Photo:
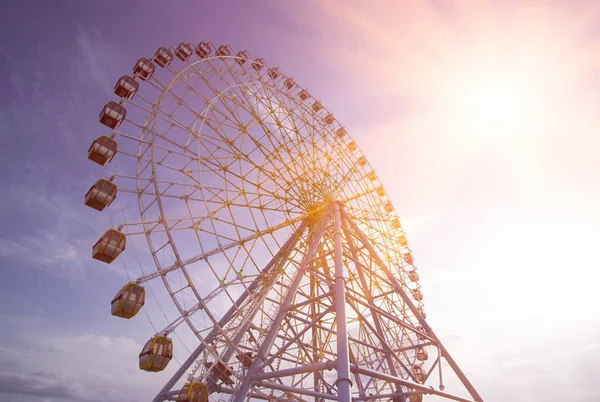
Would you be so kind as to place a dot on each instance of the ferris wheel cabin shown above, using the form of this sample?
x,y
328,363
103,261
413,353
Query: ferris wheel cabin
x,y
101,194
418,372
417,294
112,115
223,372
143,69
388,206
224,50
156,354
289,83
128,301
183,51
126,87
110,246
245,358
413,276
422,354
258,64
402,240
202,50
242,56
415,398
303,95
163,57
102,150
193,392
273,72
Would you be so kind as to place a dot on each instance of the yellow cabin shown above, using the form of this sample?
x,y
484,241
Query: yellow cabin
x,y
396,223
388,206
129,301
372,176
341,132
102,150
403,242
156,354
110,246
193,392
352,146
101,194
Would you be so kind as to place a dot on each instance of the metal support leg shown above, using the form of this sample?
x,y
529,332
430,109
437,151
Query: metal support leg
x,y
367,244
344,383
261,356
281,255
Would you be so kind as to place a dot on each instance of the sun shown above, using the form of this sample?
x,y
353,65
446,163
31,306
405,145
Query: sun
x,y
496,102
492,96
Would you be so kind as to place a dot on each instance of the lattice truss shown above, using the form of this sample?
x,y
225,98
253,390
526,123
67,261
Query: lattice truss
x,y
237,172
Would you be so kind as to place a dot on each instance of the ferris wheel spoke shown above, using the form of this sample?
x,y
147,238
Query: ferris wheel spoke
x,y
216,91
218,250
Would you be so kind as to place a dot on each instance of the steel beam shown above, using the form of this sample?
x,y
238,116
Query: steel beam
x,y
367,244
281,254
344,383
261,356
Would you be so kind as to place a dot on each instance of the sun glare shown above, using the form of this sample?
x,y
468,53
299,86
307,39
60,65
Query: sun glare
x,y
495,103
489,94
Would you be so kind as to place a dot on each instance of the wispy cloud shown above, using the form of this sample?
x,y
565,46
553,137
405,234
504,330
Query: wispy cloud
x,y
53,363
97,55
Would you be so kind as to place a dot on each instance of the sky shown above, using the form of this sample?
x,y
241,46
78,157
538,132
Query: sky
x,y
480,117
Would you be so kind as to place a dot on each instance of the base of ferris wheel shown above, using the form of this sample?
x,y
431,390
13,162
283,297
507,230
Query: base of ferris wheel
x,y
383,374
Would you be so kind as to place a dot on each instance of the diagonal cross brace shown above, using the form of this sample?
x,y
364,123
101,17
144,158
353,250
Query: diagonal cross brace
x,y
367,244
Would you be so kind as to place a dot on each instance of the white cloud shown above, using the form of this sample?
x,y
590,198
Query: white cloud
x,y
54,363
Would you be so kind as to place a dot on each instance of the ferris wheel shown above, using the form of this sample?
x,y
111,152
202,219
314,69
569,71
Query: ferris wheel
x,y
270,232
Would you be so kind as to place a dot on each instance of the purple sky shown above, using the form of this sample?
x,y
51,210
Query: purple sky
x,y
501,210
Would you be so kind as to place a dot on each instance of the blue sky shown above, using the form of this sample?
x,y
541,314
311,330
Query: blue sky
x,y
501,213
